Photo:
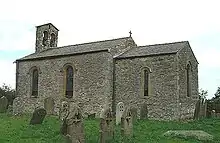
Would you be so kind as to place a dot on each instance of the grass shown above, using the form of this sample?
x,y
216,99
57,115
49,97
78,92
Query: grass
x,y
17,130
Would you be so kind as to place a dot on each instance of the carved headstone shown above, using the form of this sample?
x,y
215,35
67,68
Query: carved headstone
x,y
72,126
134,114
17,106
119,112
144,111
3,104
127,123
63,109
38,116
106,125
49,105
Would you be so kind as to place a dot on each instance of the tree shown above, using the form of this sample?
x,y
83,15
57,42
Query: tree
x,y
8,92
217,94
203,93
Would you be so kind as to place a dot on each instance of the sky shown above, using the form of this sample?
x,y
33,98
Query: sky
x,y
151,22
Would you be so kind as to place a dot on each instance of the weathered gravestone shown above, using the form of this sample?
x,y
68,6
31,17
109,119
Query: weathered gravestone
x,y
72,124
106,125
3,104
126,122
38,116
134,114
144,111
10,109
63,110
18,106
49,105
119,112
197,110
91,116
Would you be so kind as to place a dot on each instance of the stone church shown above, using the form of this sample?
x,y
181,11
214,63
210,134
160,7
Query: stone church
x,y
163,76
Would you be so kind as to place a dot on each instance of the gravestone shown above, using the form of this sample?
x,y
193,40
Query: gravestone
x,y
63,109
3,104
72,125
10,109
106,125
134,114
144,111
119,112
126,122
91,116
38,116
197,110
49,105
17,106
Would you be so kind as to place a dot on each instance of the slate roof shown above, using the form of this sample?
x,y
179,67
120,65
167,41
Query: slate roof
x,y
76,49
158,49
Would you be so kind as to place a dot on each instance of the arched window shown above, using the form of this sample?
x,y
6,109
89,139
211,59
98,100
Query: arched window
x,y
45,37
146,82
145,77
69,82
52,40
35,83
188,79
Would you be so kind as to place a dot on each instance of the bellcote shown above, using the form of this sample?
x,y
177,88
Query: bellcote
x,y
46,37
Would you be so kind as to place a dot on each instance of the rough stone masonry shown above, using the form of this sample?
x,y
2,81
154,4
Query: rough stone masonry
x,y
164,76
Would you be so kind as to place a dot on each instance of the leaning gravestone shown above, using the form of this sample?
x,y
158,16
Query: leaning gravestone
x,y
106,125
72,126
3,104
119,112
144,111
49,105
38,116
126,122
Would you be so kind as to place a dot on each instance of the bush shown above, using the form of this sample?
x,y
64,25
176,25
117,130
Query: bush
x,y
8,92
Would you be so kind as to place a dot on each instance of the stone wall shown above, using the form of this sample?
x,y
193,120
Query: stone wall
x,y
187,104
92,81
163,99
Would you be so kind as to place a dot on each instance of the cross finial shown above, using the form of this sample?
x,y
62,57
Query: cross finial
x,y
130,33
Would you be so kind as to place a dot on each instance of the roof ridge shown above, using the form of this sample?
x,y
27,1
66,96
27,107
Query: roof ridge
x,y
163,43
93,42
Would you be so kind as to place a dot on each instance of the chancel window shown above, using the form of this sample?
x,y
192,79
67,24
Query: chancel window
x,y
52,40
69,82
45,37
35,83
188,79
146,82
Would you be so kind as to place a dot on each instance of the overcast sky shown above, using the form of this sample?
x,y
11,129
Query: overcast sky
x,y
151,22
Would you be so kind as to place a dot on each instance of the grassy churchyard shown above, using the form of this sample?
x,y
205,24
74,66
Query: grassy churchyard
x,y
17,130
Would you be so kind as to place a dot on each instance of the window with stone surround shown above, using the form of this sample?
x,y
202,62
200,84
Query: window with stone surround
x,y
188,79
35,82
145,81
69,81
